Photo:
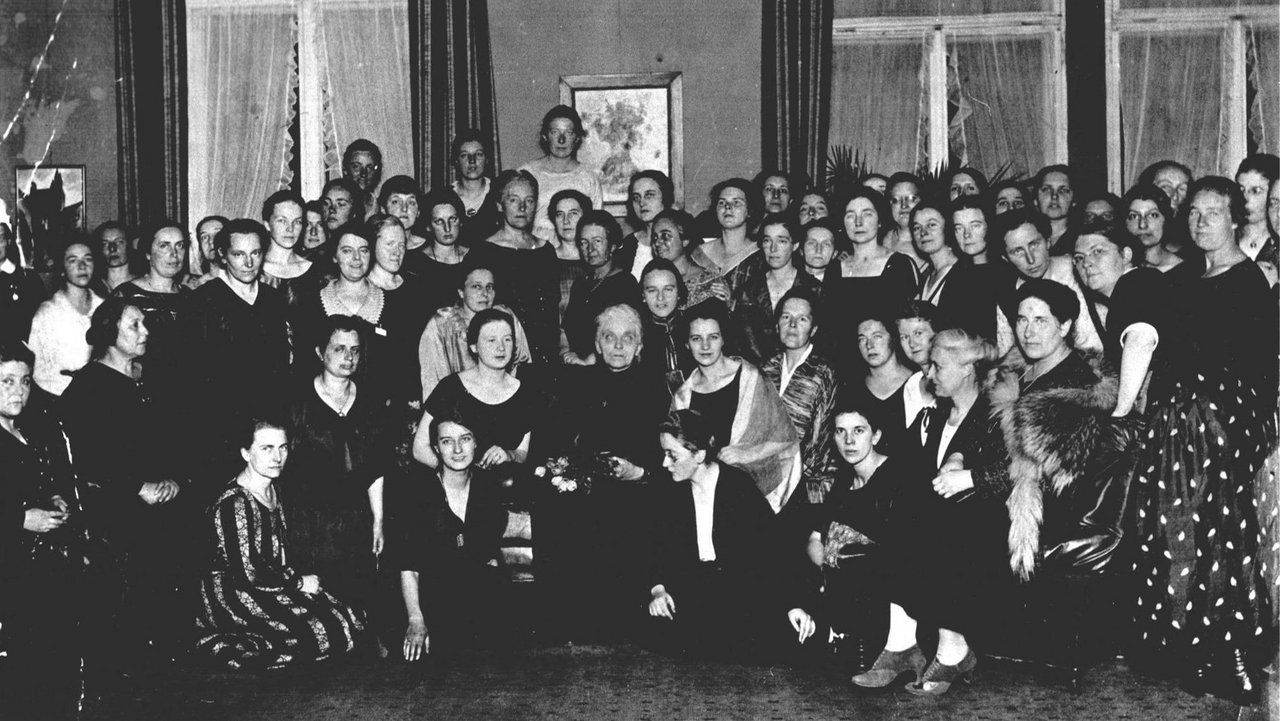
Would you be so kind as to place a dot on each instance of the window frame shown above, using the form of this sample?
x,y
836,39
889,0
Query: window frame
x,y
937,31
1232,23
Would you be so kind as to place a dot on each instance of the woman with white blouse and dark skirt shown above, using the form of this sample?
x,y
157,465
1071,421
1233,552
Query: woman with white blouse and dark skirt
x,y
708,592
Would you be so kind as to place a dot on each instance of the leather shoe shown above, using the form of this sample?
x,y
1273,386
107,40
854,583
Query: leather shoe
x,y
889,666
937,679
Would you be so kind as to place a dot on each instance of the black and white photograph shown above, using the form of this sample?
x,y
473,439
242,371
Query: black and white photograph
x,y
530,359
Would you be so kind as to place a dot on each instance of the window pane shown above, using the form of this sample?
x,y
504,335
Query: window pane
x,y
996,104
908,8
1264,77
1170,101
366,50
878,104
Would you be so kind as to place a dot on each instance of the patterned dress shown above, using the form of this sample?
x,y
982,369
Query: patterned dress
x,y
253,613
1202,609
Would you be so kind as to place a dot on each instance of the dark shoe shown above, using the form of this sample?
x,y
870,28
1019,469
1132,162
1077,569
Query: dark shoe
x,y
889,666
937,679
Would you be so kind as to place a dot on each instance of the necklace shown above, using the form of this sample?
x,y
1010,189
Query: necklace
x,y
339,405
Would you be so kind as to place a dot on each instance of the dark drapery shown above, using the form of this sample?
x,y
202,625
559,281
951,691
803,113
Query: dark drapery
x,y
151,95
452,69
795,85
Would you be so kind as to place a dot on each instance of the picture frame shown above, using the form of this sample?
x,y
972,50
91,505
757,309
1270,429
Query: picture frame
x,y
49,207
634,122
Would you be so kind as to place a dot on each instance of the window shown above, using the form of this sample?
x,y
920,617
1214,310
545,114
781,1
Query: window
x,y
1189,80
921,83
330,71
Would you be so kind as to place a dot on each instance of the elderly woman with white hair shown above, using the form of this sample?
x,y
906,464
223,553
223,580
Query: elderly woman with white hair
x,y
593,546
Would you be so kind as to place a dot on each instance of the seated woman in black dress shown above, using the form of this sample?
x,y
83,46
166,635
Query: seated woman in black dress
x,y
847,531
712,530
747,418
604,285
256,611
333,489
127,453
447,544
40,554
495,403
934,571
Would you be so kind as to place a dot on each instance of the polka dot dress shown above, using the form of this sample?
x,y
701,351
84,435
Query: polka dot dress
x,y
1202,604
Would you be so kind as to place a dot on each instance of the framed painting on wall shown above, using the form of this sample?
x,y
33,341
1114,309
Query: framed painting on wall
x,y
50,208
634,122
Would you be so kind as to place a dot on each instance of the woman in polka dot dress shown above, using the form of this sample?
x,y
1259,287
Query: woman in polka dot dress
x,y
1202,609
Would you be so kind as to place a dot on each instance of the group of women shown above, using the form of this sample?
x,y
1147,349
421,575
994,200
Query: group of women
x,y
768,426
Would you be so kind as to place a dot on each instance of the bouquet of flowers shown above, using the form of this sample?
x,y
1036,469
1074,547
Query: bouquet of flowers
x,y
574,473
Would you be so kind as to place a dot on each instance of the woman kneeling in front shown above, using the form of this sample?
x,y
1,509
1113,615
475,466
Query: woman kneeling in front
x,y
712,530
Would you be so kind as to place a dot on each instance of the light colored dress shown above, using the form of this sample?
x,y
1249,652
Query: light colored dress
x,y
581,179
57,340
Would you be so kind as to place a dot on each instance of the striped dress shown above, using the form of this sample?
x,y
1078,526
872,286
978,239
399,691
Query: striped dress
x,y
253,613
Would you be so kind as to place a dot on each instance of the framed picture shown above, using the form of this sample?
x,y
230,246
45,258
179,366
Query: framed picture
x,y
50,207
634,122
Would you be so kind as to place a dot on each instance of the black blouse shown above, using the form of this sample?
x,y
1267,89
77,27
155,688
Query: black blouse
x,y
1140,296
503,425
425,534
719,408
590,296
528,283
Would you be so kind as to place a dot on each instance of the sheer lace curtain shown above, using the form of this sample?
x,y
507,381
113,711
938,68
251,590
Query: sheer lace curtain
x,y
878,104
1264,77
365,51
997,107
1170,91
240,84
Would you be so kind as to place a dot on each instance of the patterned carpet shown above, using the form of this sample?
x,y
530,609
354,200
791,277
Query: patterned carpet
x,y
622,682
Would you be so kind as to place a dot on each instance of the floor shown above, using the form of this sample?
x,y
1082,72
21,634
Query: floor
x,y
624,682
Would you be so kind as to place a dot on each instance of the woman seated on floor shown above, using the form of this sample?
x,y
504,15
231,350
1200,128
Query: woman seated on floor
x,y
447,543
740,405
847,532
256,611
708,593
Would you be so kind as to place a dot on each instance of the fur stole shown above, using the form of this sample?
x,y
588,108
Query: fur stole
x,y
1053,437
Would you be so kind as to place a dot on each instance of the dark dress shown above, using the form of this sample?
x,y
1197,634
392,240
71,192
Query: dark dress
x,y
459,580
846,301
888,414
253,613
528,283
405,314
594,546
119,440
720,604
21,293
237,357
40,574
1202,610
968,297
590,296
718,408
1140,296
162,365
333,460
504,424
437,282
